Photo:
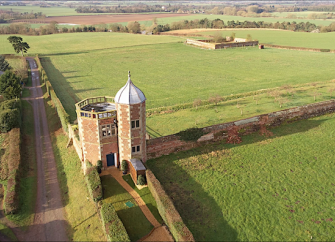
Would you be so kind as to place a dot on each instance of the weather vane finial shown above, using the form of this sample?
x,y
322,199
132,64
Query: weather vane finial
x,y
129,74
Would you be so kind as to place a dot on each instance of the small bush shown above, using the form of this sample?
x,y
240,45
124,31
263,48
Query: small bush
x,y
113,227
94,184
325,50
9,119
99,165
124,165
192,134
141,180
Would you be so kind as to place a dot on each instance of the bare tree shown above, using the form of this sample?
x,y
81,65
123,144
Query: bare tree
x,y
315,94
215,99
197,102
282,100
331,90
275,94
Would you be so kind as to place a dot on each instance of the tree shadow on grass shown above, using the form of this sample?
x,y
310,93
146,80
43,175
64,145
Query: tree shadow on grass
x,y
64,91
199,210
66,53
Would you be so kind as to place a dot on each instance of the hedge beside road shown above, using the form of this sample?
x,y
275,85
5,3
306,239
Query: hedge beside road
x,y
62,114
14,160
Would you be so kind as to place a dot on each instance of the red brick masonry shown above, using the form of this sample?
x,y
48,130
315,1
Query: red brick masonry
x,y
171,143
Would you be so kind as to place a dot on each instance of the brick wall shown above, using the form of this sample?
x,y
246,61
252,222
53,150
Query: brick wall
x,y
203,44
171,143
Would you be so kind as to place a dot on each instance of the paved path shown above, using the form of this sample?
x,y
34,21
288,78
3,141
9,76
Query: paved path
x,y
160,233
49,222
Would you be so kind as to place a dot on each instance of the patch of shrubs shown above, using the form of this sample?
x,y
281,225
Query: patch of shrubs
x,y
94,183
10,115
114,228
141,180
325,50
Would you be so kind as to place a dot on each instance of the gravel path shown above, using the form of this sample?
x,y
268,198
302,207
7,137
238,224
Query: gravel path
x,y
49,222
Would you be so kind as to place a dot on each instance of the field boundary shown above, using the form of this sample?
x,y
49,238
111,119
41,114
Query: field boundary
x,y
297,48
232,131
62,114
11,200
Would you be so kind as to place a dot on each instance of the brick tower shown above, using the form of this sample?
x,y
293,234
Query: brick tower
x,y
130,106
98,131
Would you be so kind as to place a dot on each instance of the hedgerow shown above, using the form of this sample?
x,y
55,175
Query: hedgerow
x,y
14,159
62,114
10,115
167,210
113,227
94,183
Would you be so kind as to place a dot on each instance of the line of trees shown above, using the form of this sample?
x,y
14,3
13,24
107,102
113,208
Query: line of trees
x,y
7,16
219,24
135,27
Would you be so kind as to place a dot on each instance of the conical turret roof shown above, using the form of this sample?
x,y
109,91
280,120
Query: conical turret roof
x,y
129,94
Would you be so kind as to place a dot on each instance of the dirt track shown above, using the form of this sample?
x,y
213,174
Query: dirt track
x,y
98,19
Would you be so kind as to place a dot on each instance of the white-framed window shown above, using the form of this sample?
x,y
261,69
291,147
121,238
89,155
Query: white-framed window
x,y
135,124
135,149
108,130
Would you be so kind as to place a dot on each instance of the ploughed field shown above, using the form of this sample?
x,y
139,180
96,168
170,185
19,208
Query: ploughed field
x,y
82,65
265,189
98,19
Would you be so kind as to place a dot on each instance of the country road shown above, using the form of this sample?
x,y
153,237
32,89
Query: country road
x,y
49,222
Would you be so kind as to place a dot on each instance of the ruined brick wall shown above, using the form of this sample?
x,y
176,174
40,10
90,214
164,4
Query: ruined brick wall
x,y
296,48
203,44
171,143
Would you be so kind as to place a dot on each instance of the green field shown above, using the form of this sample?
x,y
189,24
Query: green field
x,y
84,65
287,38
226,18
264,189
303,14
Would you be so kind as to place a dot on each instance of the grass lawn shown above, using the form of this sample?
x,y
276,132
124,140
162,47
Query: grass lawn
x,y
172,73
132,218
226,18
269,189
27,190
287,38
146,196
7,232
81,214
172,122
15,63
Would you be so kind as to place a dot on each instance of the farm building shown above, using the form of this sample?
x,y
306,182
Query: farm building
x,y
113,129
